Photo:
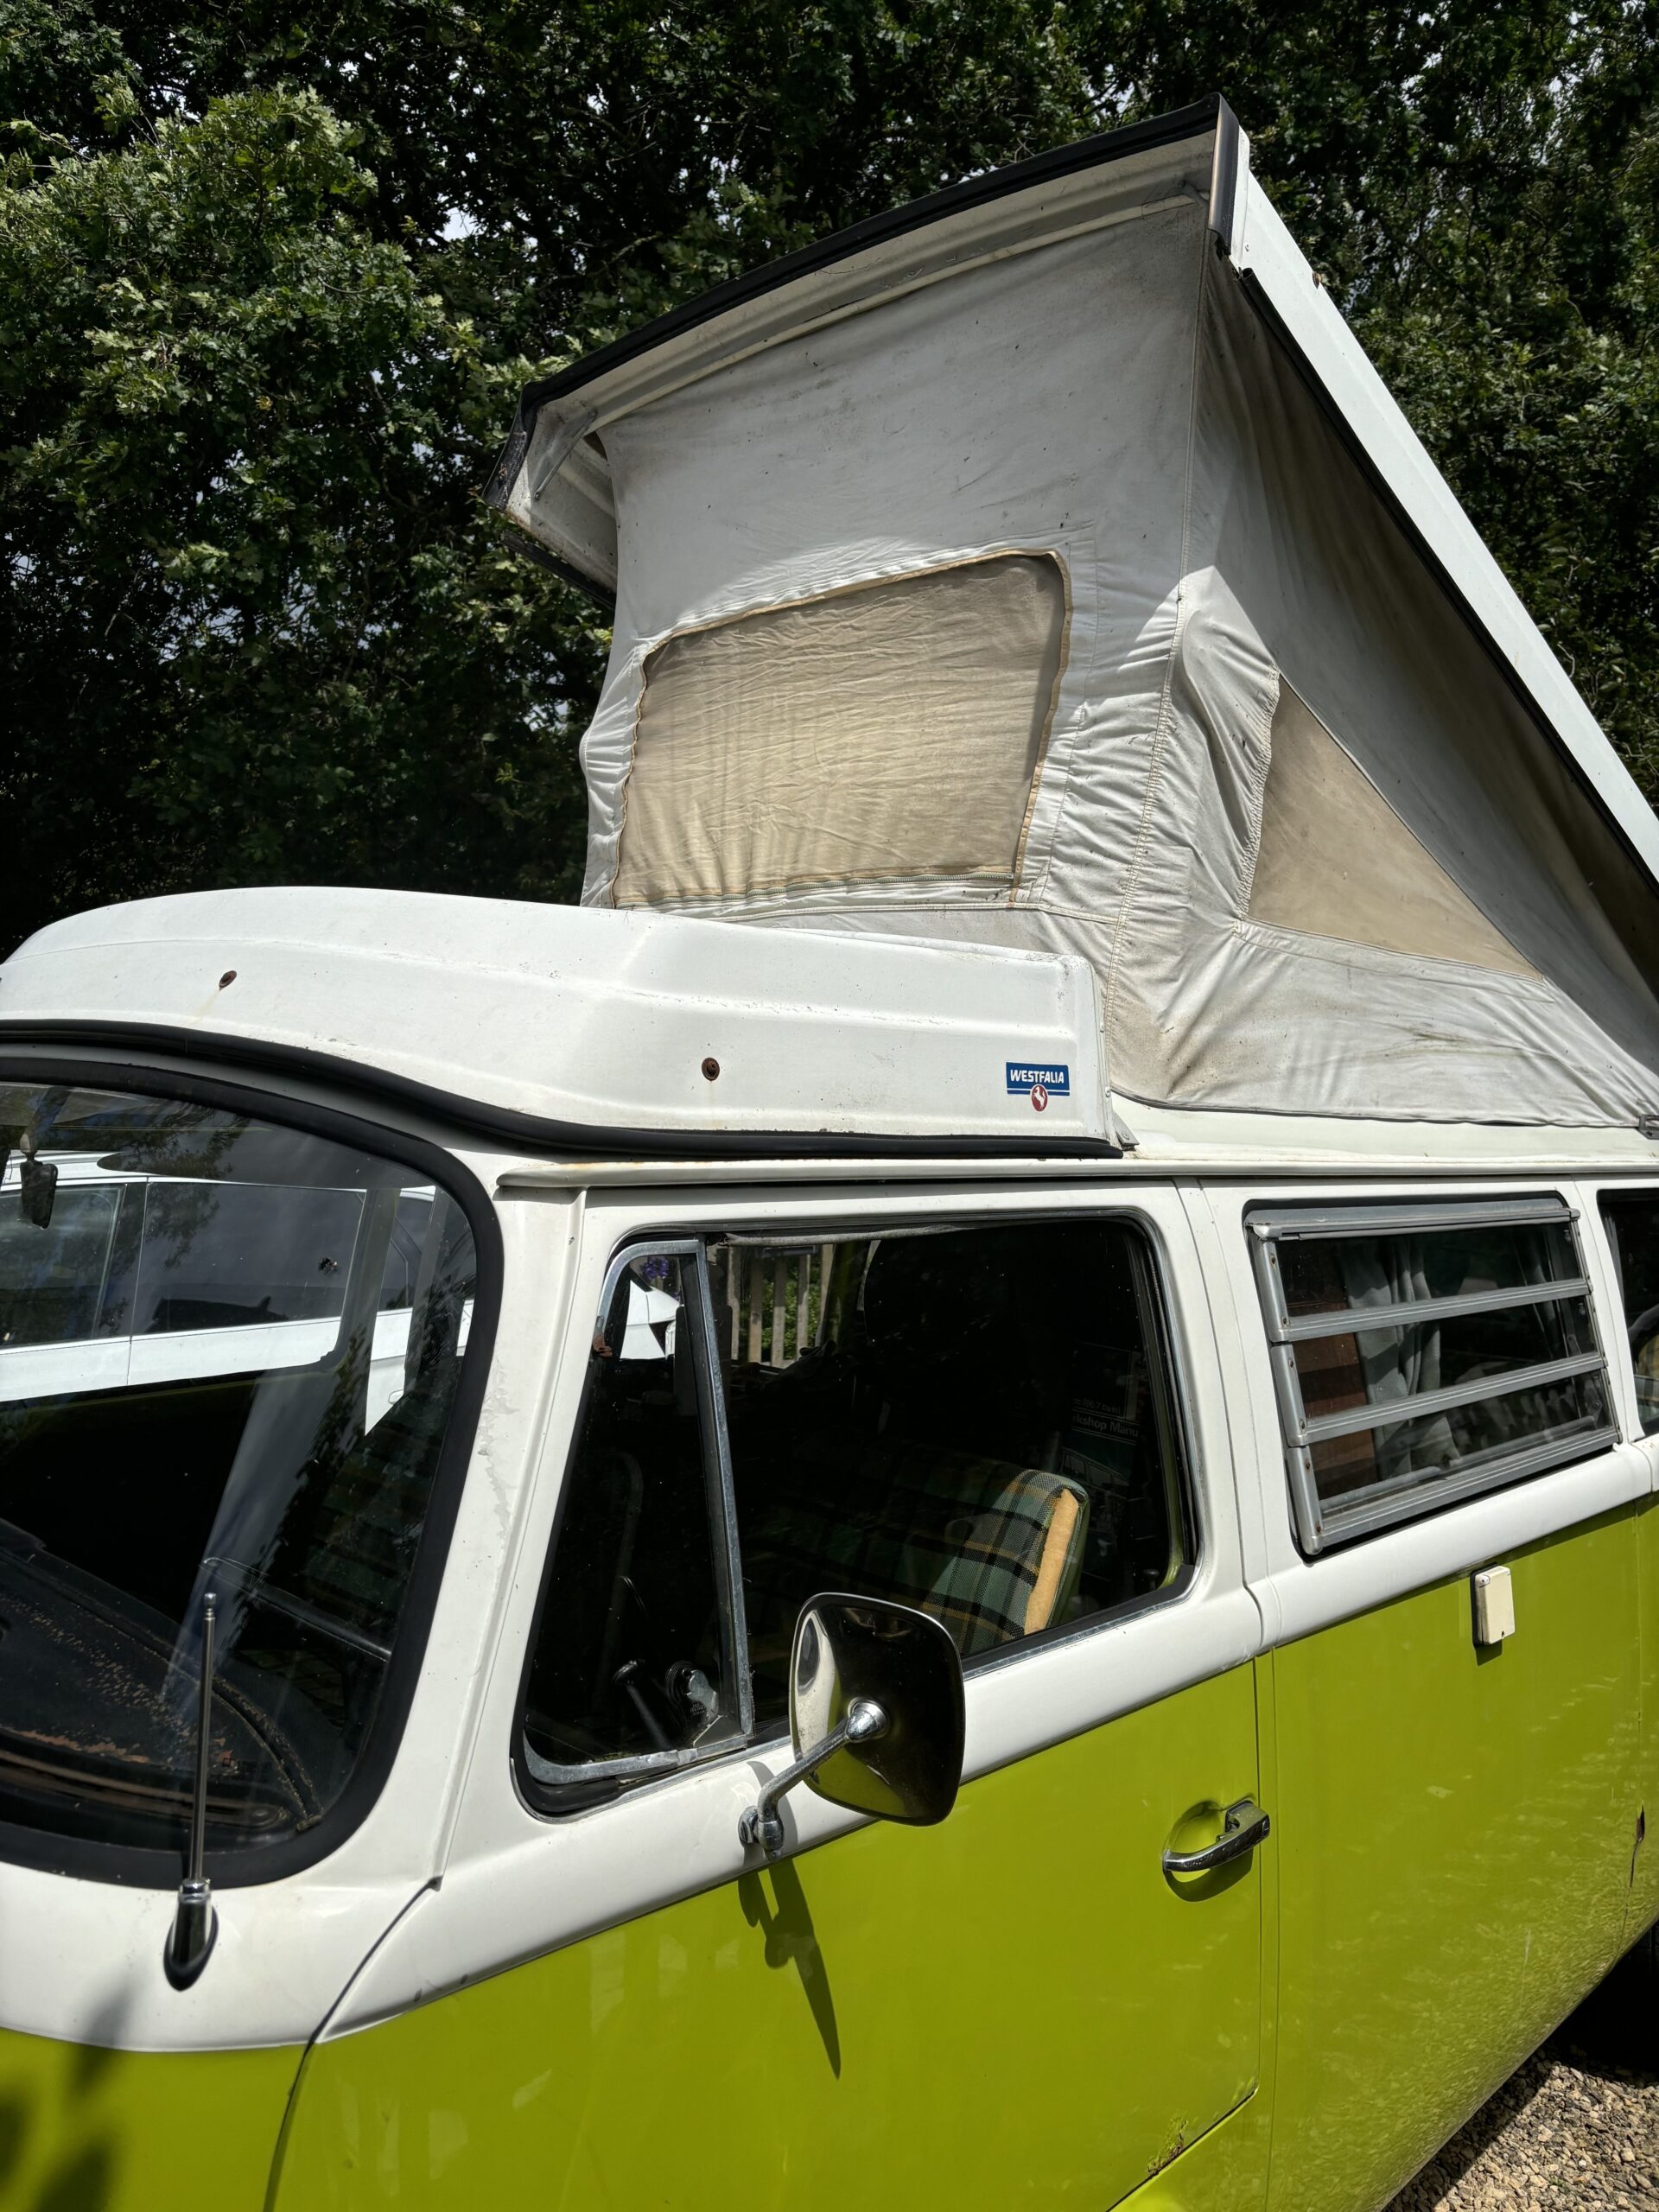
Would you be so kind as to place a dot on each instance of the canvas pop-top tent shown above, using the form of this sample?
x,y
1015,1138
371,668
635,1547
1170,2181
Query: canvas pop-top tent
x,y
1043,564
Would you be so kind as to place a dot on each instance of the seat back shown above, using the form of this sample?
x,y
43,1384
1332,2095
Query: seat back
x,y
990,1549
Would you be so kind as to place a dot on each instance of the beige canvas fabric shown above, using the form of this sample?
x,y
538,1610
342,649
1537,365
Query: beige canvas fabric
x,y
886,732
1337,861
1102,441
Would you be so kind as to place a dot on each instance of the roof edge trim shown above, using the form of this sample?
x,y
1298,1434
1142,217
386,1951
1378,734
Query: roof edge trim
x,y
1210,114
541,557
1325,354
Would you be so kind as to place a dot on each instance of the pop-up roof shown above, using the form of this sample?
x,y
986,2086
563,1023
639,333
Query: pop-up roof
x,y
1044,564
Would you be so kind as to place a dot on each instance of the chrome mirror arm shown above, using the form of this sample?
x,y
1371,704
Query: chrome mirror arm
x,y
196,1923
762,1823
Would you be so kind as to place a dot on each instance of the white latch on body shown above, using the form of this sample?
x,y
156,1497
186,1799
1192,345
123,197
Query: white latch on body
x,y
1494,1595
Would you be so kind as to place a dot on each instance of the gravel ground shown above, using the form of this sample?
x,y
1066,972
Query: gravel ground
x,y
1573,2130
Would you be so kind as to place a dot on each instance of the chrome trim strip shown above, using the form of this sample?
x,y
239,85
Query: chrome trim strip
x,y
729,1564
699,1309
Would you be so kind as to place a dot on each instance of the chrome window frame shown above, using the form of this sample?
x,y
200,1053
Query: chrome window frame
x,y
585,1783
1319,1523
549,1774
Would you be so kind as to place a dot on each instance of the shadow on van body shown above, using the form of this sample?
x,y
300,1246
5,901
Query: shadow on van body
x,y
90,2128
792,1940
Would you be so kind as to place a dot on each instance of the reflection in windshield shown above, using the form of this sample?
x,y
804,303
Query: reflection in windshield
x,y
227,1359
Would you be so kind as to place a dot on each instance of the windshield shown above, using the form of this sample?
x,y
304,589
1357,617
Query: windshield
x,y
228,1354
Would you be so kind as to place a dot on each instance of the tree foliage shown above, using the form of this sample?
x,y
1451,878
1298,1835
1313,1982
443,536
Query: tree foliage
x,y
271,278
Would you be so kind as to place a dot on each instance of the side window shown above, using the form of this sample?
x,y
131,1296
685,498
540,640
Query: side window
x,y
977,1422
54,1275
218,1255
1632,1226
633,1666
1423,1354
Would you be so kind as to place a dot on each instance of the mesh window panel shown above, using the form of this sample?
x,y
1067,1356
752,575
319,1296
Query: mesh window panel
x,y
1337,861
882,733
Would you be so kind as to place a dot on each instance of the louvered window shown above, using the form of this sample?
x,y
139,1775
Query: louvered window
x,y
1423,1354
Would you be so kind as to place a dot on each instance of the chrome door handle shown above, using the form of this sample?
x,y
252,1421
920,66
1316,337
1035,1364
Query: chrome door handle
x,y
1243,1825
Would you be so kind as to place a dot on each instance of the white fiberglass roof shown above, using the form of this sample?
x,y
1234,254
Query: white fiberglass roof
x,y
630,1030
551,1029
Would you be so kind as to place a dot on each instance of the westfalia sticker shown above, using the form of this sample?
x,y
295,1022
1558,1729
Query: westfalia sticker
x,y
1039,1081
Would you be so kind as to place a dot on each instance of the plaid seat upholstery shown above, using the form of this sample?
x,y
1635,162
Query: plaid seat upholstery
x,y
990,1549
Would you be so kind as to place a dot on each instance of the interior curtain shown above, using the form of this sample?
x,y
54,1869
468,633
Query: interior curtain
x,y
1402,1361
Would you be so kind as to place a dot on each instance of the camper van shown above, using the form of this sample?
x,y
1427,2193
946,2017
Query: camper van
x,y
952,1501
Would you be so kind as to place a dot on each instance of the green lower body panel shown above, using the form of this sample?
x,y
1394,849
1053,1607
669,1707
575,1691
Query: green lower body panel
x,y
1455,1827
83,2129
1016,2008
1644,1887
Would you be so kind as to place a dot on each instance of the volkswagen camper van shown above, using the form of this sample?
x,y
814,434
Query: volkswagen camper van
x,y
953,1500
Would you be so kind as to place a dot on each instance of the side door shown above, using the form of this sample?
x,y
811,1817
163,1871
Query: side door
x,y
1628,1217
1454,1776
1003,1410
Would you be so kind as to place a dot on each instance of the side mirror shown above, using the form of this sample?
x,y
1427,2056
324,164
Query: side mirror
x,y
875,1715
